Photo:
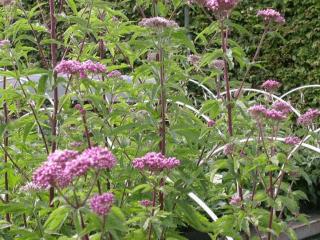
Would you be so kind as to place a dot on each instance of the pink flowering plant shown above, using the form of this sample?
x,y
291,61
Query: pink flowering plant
x,y
120,123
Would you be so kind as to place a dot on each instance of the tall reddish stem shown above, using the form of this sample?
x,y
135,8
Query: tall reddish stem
x,y
6,144
224,41
53,33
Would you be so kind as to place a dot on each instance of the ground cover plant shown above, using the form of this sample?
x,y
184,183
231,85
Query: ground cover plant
x,y
105,137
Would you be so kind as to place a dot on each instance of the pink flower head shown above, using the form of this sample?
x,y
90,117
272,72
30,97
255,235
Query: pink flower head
x,y
4,43
101,204
6,2
99,158
211,123
145,203
275,115
52,172
76,144
292,140
271,15
158,22
194,59
114,74
235,199
228,149
282,107
30,187
271,85
219,7
77,167
217,64
308,117
69,67
257,111
93,67
155,162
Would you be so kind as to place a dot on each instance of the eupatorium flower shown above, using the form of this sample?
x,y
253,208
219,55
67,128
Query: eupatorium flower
x,y
211,123
101,204
235,199
275,115
158,22
194,59
228,149
98,157
257,111
114,74
93,67
29,187
145,203
271,15
292,140
308,117
220,7
217,64
52,172
6,2
4,43
282,107
271,85
155,162
69,67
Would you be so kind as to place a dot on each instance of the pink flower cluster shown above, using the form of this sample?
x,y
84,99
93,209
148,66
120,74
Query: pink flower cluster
x,y
217,6
228,149
155,162
52,172
4,43
81,68
292,140
194,59
6,2
158,22
62,167
271,85
145,203
257,111
282,107
235,199
114,74
211,123
101,204
278,112
271,15
308,117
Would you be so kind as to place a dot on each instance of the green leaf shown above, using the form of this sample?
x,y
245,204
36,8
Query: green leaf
x,y
56,219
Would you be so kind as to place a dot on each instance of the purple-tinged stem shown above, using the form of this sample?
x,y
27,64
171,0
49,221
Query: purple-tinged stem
x,y
6,144
53,33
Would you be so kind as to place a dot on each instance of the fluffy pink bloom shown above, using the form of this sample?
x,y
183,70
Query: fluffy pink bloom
x,y
309,117
152,56
271,85
158,22
194,59
155,162
4,43
220,7
114,74
99,158
68,67
275,115
77,167
145,203
93,67
228,149
76,144
282,107
292,140
217,64
235,199
271,15
6,2
257,111
101,204
211,123
52,172
30,187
